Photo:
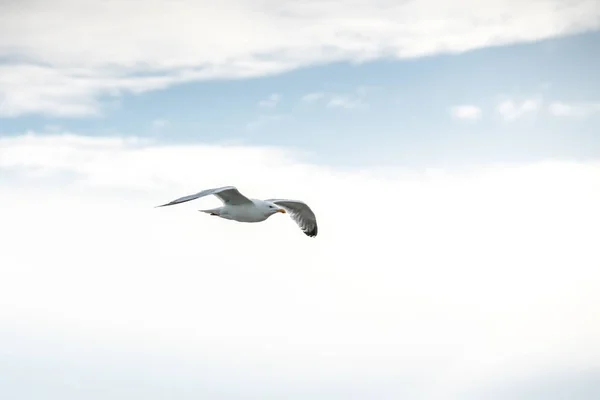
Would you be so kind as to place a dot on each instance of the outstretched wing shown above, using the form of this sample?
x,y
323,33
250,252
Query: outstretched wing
x,y
229,195
301,214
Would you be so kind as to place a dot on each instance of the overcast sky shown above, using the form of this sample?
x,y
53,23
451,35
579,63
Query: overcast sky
x,y
449,150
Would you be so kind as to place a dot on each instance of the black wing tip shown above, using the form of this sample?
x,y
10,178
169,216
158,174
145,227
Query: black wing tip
x,y
172,203
166,204
311,233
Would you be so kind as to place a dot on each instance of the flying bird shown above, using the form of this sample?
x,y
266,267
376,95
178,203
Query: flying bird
x,y
238,207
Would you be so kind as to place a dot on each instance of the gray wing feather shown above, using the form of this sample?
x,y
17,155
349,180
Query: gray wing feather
x,y
229,195
301,213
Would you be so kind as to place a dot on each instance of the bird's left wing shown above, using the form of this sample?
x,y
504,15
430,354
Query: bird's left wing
x,y
227,194
301,214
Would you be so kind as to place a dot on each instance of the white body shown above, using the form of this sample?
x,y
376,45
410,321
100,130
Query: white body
x,y
256,212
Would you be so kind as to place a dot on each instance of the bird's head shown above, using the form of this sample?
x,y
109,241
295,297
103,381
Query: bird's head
x,y
271,208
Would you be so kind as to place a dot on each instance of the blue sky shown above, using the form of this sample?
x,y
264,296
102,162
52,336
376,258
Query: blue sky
x,y
397,111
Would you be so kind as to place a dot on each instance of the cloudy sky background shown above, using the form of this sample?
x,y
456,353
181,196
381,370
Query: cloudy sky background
x,y
451,153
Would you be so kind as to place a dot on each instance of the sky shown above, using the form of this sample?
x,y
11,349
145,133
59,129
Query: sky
x,y
449,150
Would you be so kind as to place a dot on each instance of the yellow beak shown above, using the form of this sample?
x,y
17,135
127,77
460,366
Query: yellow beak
x,y
281,210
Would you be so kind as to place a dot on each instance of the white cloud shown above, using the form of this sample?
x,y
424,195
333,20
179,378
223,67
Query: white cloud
x,y
270,102
67,68
510,110
262,120
482,276
574,110
341,101
70,92
312,97
468,112
353,100
160,123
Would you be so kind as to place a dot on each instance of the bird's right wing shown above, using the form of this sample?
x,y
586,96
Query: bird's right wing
x,y
229,195
301,213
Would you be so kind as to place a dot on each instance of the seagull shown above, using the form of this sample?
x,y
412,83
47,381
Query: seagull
x,y
238,207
